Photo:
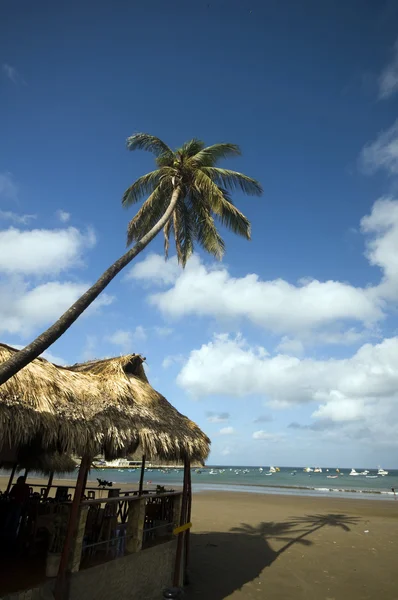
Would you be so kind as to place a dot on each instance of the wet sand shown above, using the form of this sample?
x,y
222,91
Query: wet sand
x,y
248,546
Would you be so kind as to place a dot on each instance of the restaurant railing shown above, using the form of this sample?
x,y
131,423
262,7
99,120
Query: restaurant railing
x,y
114,527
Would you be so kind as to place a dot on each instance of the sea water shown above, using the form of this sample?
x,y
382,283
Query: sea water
x,y
289,480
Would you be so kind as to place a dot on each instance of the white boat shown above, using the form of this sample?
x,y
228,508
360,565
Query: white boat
x,y
261,469
354,473
212,472
317,470
308,470
272,470
382,472
269,473
332,476
371,476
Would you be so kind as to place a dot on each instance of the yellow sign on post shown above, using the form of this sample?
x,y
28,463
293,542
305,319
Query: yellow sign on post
x,y
182,528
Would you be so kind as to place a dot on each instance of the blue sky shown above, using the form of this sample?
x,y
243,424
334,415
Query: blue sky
x,y
287,351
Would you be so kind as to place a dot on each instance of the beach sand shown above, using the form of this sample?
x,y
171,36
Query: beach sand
x,y
289,547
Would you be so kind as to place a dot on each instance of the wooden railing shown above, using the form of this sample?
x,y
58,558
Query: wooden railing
x,y
117,526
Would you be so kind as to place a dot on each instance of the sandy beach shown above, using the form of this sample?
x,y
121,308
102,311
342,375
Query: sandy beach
x,y
246,546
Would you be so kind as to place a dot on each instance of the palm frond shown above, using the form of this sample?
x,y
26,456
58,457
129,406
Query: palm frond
x,y
209,156
141,187
205,230
184,232
231,217
221,204
232,180
192,147
149,213
144,141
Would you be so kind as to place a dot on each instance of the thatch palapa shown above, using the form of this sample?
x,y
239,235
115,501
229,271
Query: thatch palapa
x,y
100,406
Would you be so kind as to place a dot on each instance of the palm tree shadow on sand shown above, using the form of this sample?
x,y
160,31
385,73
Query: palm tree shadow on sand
x,y
222,562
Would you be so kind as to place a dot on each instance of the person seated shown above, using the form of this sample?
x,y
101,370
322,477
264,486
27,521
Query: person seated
x,y
20,492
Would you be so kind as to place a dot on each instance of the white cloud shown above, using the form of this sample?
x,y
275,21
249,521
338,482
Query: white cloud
x,y
8,215
63,216
361,390
127,339
265,435
290,346
328,312
172,359
42,251
154,269
12,74
226,451
275,305
8,187
382,153
214,417
227,431
23,309
388,80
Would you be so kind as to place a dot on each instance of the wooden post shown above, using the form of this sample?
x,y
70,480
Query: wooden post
x,y
61,591
142,475
188,531
49,484
183,520
11,478
135,525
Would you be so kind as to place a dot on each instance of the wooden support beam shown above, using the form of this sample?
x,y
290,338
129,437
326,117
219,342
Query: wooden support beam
x,y
140,489
183,520
61,587
11,478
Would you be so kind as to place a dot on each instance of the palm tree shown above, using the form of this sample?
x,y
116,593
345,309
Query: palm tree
x,y
187,192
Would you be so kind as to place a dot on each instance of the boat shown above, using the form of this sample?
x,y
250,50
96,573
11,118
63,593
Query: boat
x,y
272,470
353,472
331,476
269,473
261,469
317,470
212,472
308,470
382,472
371,476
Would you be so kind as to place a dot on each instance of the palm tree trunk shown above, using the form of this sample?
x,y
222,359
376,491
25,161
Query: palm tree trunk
x,y
20,359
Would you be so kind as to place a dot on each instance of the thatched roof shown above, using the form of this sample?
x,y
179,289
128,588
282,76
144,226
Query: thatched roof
x,y
44,463
99,406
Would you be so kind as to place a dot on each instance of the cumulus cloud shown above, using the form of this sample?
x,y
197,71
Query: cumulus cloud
x,y
42,251
265,435
127,339
215,417
172,359
388,80
382,154
24,308
329,312
361,389
8,215
263,419
63,216
227,431
155,270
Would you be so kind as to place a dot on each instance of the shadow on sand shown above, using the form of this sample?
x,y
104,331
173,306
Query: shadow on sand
x,y
222,562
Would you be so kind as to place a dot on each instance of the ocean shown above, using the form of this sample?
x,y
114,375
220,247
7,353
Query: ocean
x,y
289,480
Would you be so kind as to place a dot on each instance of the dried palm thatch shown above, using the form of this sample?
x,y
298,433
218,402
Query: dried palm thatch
x,y
44,463
100,406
